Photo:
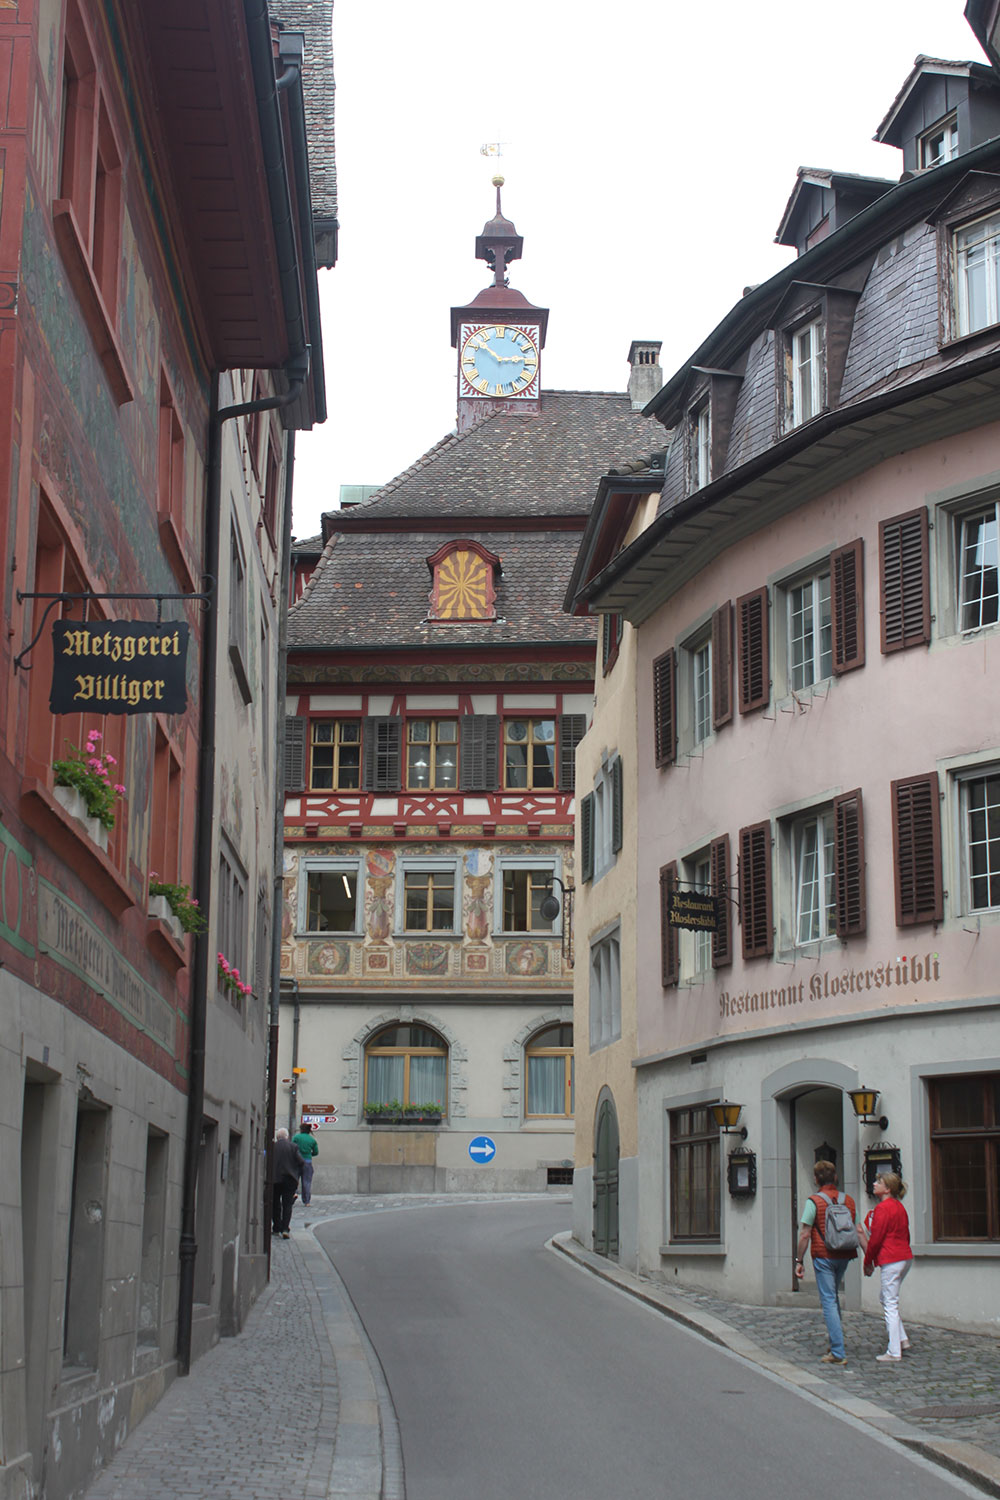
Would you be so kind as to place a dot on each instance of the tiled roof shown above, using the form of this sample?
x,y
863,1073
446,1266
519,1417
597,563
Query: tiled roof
x,y
371,589
541,465
315,19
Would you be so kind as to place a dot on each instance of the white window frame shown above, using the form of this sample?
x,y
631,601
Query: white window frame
x,y
695,950
701,438
551,867
806,371
605,987
814,583
963,779
824,852
701,691
330,865
605,857
947,131
985,232
406,867
962,519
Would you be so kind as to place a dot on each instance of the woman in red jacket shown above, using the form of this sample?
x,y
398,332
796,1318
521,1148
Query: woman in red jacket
x,y
888,1248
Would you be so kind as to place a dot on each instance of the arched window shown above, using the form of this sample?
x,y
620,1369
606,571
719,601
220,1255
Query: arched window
x,y
549,1069
408,1063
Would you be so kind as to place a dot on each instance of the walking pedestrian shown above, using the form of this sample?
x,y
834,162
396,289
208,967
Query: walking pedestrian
x,y
287,1162
309,1147
888,1248
832,1247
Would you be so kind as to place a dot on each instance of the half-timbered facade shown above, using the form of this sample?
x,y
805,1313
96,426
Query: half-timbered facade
x,y
436,695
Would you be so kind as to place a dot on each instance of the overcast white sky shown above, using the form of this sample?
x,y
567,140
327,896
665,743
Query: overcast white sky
x,y
649,148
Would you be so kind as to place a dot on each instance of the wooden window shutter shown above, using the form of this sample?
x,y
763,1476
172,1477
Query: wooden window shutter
x,y
916,838
587,837
670,962
847,607
665,707
755,890
572,728
382,748
616,804
722,938
754,656
295,753
722,665
904,571
479,753
849,864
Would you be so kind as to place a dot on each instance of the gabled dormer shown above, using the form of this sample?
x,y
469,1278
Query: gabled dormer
x,y
942,110
823,201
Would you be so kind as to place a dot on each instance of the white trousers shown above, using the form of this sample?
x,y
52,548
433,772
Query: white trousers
x,y
891,1277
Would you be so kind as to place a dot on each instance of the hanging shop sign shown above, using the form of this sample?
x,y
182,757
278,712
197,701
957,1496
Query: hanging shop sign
x,y
119,667
694,910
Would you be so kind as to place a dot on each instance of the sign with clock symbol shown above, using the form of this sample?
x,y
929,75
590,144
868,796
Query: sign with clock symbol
x,y
498,360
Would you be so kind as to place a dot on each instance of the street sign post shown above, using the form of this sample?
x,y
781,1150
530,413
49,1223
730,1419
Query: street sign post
x,y
482,1149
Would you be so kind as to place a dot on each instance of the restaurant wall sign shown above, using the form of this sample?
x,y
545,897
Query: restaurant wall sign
x,y
119,667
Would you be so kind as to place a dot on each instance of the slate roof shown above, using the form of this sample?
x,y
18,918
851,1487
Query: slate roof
x,y
541,465
315,19
371,589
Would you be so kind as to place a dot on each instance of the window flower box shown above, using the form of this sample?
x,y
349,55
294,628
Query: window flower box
x,y
76,805
159,908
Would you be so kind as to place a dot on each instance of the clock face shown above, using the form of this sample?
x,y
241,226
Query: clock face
x,y
498,360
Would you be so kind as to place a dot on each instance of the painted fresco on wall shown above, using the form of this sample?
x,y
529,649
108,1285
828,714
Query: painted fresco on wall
x,y
48,40
379,899
329,957
526,959
139,781
140,338
478,890
426,958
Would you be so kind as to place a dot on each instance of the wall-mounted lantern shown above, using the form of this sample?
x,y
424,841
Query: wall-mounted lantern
x,y
865,1102
727,1117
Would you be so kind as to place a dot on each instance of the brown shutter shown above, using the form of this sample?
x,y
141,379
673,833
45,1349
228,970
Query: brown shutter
x,y
722,665
670,964
847,607
665,707
587,837
904,572
754,658
916,838
572,728
755,890
722,938
849,863
295,753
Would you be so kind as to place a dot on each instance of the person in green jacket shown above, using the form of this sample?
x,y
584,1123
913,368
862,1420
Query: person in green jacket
x,y
309,1147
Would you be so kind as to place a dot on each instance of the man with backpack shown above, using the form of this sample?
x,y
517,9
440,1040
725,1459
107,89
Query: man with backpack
x,y
828,1227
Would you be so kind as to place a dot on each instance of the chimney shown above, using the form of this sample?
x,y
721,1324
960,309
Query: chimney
x,y
645,376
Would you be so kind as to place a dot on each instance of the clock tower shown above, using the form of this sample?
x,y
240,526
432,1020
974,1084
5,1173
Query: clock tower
x,y
499,335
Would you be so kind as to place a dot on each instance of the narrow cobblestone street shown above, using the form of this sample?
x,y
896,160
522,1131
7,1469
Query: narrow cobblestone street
x,y
295,1406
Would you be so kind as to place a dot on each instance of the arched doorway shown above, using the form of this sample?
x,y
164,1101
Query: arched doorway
x,y
606,1178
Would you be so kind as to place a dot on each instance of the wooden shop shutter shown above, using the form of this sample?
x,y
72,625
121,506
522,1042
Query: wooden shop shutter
x,y
722,665
572,728
616,804
670,964
587,837
755,890
849,864
665,707
479,753
382,753
916,840
847,607
754,656
722,938
904,572
295,753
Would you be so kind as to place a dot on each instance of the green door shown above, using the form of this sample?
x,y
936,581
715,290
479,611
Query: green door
x,y
606,1180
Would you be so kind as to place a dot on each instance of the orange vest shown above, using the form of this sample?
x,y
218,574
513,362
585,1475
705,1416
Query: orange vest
x,y
817,1244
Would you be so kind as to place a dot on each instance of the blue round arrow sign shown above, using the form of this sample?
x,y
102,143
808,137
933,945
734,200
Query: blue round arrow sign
x,y
482,1149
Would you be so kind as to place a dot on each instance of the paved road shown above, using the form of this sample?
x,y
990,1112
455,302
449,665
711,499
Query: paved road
x,y
514,1374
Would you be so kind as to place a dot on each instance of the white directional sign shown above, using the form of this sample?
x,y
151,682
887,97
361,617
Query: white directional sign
x,y
482,1149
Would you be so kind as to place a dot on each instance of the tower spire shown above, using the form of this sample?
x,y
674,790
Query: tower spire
x,y
499,242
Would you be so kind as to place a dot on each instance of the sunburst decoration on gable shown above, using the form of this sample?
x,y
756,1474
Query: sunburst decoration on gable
x,y
464,582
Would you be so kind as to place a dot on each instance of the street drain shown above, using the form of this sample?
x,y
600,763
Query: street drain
x,y
959,1409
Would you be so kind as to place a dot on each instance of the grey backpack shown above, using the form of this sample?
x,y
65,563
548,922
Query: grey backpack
x,y
839,1232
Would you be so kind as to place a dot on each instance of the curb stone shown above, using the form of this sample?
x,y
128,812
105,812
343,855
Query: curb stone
x,y
963,1459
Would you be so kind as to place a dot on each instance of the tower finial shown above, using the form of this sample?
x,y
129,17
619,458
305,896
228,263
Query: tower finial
x,y
499,242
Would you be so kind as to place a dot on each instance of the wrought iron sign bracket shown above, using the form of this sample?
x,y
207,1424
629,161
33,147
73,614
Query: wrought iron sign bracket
x,y
204,599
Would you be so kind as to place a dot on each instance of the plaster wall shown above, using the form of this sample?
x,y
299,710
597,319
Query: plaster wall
x,y
905,714
804,1067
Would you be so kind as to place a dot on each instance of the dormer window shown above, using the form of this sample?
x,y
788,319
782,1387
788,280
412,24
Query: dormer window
x,y
977,275
465,577
939,144
806,373
702,434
